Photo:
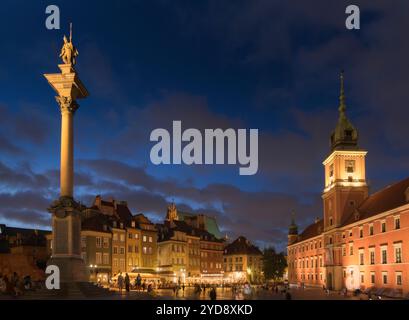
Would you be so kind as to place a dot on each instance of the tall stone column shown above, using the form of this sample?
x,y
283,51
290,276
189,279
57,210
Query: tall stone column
x,y
66,212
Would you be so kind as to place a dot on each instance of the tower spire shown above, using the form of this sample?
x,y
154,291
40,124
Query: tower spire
x,y
342,105
71,32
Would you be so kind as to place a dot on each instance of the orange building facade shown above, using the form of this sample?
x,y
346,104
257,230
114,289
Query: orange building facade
x,y
362,241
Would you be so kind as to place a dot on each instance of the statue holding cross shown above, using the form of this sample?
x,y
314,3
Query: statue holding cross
x,y
68,51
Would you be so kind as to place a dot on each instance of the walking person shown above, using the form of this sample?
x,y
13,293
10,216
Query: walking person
x,y
127,282
120,282
212,294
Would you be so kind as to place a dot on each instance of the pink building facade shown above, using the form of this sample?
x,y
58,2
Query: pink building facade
x,y
362,241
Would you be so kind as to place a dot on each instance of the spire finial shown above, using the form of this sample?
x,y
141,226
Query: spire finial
x,y
293,217
342,105
71,32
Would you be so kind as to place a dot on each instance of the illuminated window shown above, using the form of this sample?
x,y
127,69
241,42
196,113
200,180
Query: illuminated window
x,y
384,255
98,242
98,258
351,249
398,252
372,255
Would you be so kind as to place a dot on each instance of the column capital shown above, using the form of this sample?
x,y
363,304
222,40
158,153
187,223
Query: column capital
x,y
67,104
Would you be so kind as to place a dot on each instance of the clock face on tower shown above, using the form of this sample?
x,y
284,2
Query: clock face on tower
x,y
60,213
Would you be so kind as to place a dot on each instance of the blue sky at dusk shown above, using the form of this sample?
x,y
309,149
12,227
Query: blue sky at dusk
x,y
262,64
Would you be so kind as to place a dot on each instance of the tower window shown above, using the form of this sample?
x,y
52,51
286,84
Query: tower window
x,y
350,166
331,170
348,134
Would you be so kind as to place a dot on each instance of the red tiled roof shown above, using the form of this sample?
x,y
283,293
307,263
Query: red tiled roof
x,y
391,197
312,231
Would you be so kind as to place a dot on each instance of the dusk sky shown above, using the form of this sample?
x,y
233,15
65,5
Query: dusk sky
x,y
262,64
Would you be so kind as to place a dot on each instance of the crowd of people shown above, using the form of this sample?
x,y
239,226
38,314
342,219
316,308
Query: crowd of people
x,y
15,285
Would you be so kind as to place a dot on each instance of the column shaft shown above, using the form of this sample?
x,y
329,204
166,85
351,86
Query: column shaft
x,y
67,154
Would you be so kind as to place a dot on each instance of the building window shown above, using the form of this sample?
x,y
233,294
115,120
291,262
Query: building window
x,y
398,253
351,249
361,232
122,250
372,256
105,258
133,224
144,238
150,239
130,248
122,237
372,277
371,229
344,250
130,235
384,277
106,242
130,262
362,277
145,250
115,250
136,236
115,263
350,166
343,235
397,222
350,233
122,264
398,278
115,237
98,258
361,257
384,253
330,240
98,242
383,226
330,221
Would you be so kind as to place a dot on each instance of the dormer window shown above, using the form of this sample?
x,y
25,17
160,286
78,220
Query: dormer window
x,y
133,224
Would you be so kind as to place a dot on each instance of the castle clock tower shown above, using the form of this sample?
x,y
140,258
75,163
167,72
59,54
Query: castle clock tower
x,y
345,189
345,178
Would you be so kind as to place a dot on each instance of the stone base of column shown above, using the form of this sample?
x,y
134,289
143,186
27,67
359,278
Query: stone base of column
x,y
71,269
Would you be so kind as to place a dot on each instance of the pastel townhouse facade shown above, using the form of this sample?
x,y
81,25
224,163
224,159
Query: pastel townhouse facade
x,y
243,262
362,241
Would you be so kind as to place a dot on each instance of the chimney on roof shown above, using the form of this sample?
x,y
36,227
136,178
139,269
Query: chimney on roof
x,y
317,220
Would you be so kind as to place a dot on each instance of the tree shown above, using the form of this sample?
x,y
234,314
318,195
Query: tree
x,y
274,264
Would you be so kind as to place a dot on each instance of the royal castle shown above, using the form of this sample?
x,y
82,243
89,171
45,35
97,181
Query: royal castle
x,y
362,241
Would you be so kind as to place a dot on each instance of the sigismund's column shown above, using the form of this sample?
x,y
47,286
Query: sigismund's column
x,y
66,213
